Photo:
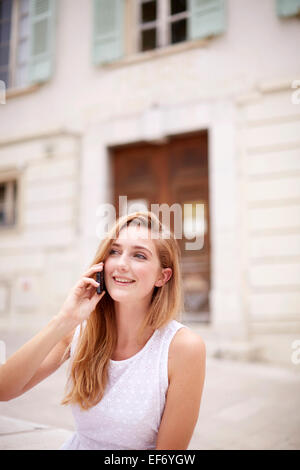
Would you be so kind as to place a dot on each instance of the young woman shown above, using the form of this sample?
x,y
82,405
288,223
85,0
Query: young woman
x,y
136,374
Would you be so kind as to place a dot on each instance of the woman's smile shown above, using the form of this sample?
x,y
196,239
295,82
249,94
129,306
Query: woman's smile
x,y
122,281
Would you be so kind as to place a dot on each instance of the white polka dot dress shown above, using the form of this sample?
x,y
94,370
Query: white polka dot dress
x,y
130,412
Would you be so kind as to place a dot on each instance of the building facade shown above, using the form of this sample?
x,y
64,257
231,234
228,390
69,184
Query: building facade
x,y
192,103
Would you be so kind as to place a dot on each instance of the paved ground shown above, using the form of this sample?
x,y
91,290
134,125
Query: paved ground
x,y
244,406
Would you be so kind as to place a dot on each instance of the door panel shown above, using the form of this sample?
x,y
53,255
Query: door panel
x,y
175,172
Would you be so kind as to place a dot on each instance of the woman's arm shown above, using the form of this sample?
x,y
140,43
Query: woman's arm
x,y
187,357
23,364
43,354
58,355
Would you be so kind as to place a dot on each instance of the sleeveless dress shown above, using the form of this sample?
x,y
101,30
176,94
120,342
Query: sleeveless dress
x,y
129,414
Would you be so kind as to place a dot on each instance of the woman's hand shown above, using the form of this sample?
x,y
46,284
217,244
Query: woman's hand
x,y
83,298
24,368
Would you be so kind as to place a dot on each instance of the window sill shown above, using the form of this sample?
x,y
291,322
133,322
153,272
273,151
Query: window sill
x,y
157,53
14,92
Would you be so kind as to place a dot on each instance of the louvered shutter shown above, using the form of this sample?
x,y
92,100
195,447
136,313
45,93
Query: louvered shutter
x,y
207,18
42,37
288,7
108,34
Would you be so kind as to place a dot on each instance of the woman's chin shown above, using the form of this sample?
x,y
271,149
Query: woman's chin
x,y
119,295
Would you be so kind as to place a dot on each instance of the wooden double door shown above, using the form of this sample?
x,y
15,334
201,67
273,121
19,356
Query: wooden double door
x,y
175,172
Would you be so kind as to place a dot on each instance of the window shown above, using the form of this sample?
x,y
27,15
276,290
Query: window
x,y
178,21
287,8
128,27
27,32
8,203
23,31
149,27
162,23
5,27
14,42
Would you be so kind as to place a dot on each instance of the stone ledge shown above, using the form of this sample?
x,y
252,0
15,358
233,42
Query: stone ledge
x,y
17,434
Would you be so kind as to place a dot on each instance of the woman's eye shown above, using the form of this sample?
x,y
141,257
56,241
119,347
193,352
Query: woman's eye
x,y
143,257
139,255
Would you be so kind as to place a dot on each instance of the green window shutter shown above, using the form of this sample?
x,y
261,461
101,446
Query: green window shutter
x,y
108,33
42,36
288,7
207,18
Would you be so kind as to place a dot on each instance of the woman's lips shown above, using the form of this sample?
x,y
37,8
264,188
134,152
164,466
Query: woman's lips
x,y
119,283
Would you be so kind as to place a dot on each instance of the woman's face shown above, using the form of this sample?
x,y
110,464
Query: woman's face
x,y
133,257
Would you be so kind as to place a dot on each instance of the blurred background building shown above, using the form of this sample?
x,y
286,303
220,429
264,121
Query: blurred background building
x,y
164,101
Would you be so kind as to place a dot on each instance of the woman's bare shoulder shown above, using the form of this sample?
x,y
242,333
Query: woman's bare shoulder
x,y
186,347
186,338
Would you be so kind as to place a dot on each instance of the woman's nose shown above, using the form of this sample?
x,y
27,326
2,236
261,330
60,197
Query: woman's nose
x,y
123,262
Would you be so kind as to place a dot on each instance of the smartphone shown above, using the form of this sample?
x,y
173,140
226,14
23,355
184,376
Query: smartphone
x,y
100,278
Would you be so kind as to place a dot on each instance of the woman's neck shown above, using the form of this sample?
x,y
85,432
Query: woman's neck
x,y
129,319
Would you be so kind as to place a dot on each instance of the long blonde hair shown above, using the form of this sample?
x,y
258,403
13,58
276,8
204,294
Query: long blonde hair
x,y
89,369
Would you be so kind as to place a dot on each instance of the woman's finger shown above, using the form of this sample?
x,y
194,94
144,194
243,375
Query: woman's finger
x,y
93,269
84,281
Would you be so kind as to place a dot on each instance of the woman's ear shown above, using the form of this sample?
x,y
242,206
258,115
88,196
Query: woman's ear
x,y
164,277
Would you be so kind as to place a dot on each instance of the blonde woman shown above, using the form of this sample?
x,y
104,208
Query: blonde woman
x,y
136,373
